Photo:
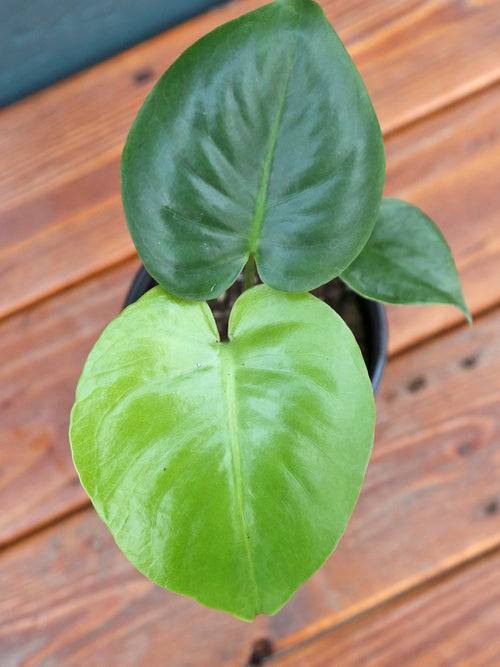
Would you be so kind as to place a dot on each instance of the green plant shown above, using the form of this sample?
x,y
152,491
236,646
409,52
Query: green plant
x,y
227,470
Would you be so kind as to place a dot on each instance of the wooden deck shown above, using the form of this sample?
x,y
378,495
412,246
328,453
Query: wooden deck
x,y
416,577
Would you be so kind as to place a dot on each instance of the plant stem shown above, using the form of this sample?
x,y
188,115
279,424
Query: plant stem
x,y
249,272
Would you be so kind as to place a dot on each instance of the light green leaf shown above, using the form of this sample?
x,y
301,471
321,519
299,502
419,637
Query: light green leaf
x,y
260,139
225,471
406,261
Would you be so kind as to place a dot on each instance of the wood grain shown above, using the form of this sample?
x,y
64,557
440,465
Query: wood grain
x,y
431,499
449,623
430,502
60,149
84,604
42,352
448,164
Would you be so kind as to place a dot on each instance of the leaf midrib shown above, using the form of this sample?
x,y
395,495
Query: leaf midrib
x,y
229,399
261,198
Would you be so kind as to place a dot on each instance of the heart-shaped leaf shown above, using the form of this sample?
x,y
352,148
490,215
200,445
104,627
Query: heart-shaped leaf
x,y
259,140
406,261
225,471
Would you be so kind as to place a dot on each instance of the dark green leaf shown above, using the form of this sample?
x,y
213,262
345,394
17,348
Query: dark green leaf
x,y
225,471
406,261
261,139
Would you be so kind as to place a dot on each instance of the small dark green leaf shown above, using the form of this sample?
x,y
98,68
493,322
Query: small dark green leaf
x,y
406,261
225,471
260,139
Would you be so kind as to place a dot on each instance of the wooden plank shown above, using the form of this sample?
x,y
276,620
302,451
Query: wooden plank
x,y
448,164
84,604
62,254
431,496
452,622
430,502
59,191
42,351
36,393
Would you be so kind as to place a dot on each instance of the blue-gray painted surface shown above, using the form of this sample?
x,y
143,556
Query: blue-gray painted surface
x,y
42,41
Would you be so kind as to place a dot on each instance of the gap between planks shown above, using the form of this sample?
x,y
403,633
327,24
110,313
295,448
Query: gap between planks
x,y
393,133
289,654
84,503
61,555
400,149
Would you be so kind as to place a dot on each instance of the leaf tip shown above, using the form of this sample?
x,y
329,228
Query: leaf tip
x,y
467,314
462,306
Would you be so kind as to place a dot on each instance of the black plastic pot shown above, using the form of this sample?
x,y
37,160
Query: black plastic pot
x,y
372,315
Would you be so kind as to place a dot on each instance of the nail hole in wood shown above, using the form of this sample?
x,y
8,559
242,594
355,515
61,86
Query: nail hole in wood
x,y
143,74
469,362
491,507
261,649
417,384
465,449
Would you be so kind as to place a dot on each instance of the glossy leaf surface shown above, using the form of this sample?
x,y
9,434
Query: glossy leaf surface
x,y
225,471
406,261
260,139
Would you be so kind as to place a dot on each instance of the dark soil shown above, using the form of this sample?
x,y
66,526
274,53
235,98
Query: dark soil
x,y
335,293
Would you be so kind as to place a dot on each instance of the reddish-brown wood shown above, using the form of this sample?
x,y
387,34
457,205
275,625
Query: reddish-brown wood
x,y
429,510
69,598
456,189
448,164
59,191
449,623
37,389
431,497
42,351
63,254
429,503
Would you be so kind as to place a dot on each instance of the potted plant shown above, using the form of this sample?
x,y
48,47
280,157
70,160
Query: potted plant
x,y
228,469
